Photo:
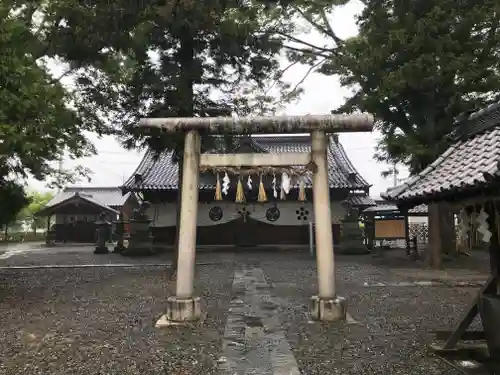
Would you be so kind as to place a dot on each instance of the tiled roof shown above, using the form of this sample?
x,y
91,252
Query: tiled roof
x,y
108,196
361,200
49,209
473,161
161,174
392,208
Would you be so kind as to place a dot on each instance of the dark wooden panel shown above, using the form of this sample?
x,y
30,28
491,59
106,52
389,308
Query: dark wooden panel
x,y
75,232
164,235
245,233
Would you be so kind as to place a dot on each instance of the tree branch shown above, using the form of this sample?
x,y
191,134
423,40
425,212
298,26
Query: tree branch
x,y
491,38
58,79
328,31
331,33
306,51
296,40
280,75
309,71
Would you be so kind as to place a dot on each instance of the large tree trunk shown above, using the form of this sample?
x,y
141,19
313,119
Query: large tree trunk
x,y
442,238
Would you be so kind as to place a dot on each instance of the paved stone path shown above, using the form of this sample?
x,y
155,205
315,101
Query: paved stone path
x,y
475,283
9,250
254,342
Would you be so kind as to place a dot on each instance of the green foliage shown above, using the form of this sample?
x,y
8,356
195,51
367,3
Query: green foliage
x,y
417,65
37,124
174,58
28,215
12,200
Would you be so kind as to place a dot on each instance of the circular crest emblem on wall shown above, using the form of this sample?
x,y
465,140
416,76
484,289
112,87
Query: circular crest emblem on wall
x,y
273,214
215,213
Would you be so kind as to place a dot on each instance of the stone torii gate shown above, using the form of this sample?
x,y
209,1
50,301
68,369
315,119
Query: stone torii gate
x,y
327,305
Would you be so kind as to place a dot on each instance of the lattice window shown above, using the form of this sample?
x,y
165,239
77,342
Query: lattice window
x,y
419,230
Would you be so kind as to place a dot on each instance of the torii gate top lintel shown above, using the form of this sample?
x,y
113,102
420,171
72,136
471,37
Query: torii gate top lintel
x,y
263,124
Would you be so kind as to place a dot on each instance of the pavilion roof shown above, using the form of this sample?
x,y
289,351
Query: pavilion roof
x,y
74,197
107,195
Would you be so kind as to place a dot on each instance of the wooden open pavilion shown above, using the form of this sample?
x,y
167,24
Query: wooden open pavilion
x,y
467,177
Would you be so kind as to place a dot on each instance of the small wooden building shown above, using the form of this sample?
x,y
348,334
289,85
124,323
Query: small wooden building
x,y
251,223
467,178
71,214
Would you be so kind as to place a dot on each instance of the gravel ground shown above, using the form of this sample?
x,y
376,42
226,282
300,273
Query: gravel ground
x,y
393,326
100,321
84,255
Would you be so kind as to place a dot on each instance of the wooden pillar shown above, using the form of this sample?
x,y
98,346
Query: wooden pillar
x,y
434,245
370,233
407,232
189,216
494,245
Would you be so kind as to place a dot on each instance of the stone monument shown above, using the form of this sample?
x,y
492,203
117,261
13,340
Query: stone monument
x,y
103,229
141,239
351,239
120,234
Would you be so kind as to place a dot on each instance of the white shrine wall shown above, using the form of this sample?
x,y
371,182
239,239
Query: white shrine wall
x,y
69,218
164,214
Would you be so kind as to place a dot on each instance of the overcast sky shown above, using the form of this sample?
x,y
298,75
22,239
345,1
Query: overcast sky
x,y
113,164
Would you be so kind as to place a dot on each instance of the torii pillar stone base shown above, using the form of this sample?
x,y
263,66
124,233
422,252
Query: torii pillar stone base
x,y
328,310
180,311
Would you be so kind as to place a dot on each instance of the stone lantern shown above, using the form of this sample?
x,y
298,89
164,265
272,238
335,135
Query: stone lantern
x,y
103,229
120,233
141,240
351,238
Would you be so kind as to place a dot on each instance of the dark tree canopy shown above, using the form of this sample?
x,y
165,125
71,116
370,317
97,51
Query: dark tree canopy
x,y
13,199
129,59
418,65
36,123
165,59
168,58
39,121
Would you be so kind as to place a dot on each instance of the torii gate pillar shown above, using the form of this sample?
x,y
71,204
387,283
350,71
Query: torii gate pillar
x,y
185,306
327,306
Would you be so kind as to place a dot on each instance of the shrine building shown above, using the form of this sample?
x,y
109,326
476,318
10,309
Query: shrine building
x,y
252,206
